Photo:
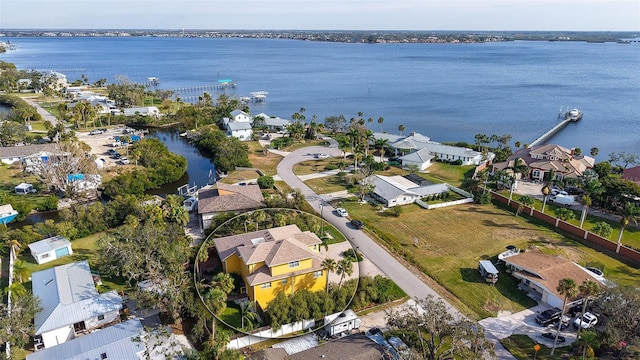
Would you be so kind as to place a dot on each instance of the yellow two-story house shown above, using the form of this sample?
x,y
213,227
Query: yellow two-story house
x,y
271,261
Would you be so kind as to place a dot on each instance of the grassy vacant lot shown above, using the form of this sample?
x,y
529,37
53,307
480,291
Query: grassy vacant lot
x,y
83,249
521,347
240,175
452,240
314,166
447,173
265,162
327,184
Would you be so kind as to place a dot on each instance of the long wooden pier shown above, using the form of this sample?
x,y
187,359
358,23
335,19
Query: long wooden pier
x,y
570,116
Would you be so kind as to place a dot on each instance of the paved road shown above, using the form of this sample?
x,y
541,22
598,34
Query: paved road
x,y
405,279
44,113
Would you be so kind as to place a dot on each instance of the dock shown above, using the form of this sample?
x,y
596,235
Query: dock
x,y
567,117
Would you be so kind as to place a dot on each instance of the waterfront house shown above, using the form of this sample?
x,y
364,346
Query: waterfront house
x,y
227,198
272,123
238,125
544,159
540,274
421,159
272,261
143,111
398,190
50,249
70,304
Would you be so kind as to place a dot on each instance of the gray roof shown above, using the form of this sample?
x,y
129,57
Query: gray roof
x,y
238,125
452,150
273,121
390,137
49,244
117,342
68,295
387,188
237,112
420,156
26,150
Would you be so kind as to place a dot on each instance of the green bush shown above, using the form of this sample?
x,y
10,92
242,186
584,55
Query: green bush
x,y
266,182
50,203
331,167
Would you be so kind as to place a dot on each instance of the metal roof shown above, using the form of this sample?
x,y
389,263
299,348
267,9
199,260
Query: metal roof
x,y
49,244
68,295
119,341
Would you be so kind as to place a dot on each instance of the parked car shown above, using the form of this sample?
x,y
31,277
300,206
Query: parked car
x,y
552,336
357,224
565,323
117,155
342,212
558,192
95,132
574,191
586,321
322,156
112,152
124,161
548,316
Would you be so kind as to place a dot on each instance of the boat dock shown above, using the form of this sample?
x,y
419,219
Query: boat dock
x,y
567,117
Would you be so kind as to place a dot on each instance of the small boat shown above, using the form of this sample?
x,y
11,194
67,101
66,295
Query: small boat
x,y
190,204
153,80
7,214
511,250
573,115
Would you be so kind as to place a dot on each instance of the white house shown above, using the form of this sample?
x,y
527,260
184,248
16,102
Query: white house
x,y
50,249
272,122
241,116
451,153
144,111
540,273
70,304
239,125
397,190
14,154
421,158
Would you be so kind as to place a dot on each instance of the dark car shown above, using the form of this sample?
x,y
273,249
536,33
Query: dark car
x,y
117,156
357,224
552,336
548,316
111,151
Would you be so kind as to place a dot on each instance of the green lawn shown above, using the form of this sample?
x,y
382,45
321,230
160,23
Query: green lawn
x,y
11,176
314,166
326,184
521,346
231,315
452,240
446,173
83,249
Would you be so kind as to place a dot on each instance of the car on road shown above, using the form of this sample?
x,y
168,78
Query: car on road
x,y
112,152
342,212
548,316
552,337
357,224
586,321
95,132
117,155
558,192
322,156
124,161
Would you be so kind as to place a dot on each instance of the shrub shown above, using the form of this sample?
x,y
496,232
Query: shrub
x,y
266,182
331,167
50,203
396,210
603,229
456,162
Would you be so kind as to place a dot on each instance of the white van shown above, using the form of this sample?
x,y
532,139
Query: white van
x,y
566,200
488,271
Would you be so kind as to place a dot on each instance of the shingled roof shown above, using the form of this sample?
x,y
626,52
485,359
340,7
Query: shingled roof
x,y
225,197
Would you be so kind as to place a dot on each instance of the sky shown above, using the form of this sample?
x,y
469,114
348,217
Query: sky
x,y
498,15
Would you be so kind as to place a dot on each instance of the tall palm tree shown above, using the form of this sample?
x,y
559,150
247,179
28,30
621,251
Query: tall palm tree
x,y
380,121
370,121
588,289
401,128
594,151
591,187
524,200
628,213
248,315
381,145
216,301
344,268
329,265
20,271
569,289
546,190
521,168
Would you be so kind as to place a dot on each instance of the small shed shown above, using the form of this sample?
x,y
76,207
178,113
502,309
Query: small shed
x,y
50,249
24,189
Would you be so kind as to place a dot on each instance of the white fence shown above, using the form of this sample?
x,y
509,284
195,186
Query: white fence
x,y
468,199
267,334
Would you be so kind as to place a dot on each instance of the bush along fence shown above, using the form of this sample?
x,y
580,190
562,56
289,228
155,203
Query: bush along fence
x,y
468,199
588,238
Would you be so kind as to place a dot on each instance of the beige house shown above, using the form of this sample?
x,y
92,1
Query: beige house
x,y
227,198
544,158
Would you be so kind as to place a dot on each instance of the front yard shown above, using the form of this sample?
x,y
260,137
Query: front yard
x,y
452,240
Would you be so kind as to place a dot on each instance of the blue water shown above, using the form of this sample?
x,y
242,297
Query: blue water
x,y
449,92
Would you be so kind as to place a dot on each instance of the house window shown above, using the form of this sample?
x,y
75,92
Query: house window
x,y
294,264
103,356
265,286
536,174
284,281
315,247
45,255
317,274
100,317
79,326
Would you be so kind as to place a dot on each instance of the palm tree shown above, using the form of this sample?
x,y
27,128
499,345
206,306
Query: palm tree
x,y
20,271
518,167
546,190
329,265
401,128
588,289
524,200
248,315
628,213
517,144
594,151
569,289
381,145
216,301
344,268
370,121
591,187
380,121
14,245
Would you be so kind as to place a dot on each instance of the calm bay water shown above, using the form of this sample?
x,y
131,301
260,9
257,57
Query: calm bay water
x,y
449,92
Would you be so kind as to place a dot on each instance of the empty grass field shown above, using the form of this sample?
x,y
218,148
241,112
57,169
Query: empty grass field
x,y
452,240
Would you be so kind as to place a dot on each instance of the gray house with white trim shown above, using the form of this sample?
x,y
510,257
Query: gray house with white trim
x,y
397,190
70,304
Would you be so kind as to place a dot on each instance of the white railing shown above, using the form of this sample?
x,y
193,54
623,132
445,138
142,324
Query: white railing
x,y
267,334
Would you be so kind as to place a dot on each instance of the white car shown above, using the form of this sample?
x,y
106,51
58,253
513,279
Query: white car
x,y
322,156
342,212
586,321
124,161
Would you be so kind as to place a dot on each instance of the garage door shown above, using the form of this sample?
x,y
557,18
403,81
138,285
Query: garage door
x,y
62,252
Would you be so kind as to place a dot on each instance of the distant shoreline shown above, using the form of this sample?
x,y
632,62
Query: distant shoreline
x,y
356,36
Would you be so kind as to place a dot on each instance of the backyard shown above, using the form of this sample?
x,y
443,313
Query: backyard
x,y
452,240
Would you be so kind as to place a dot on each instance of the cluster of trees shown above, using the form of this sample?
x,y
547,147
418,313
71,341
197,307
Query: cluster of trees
x,y
226,152
37,81
161,167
